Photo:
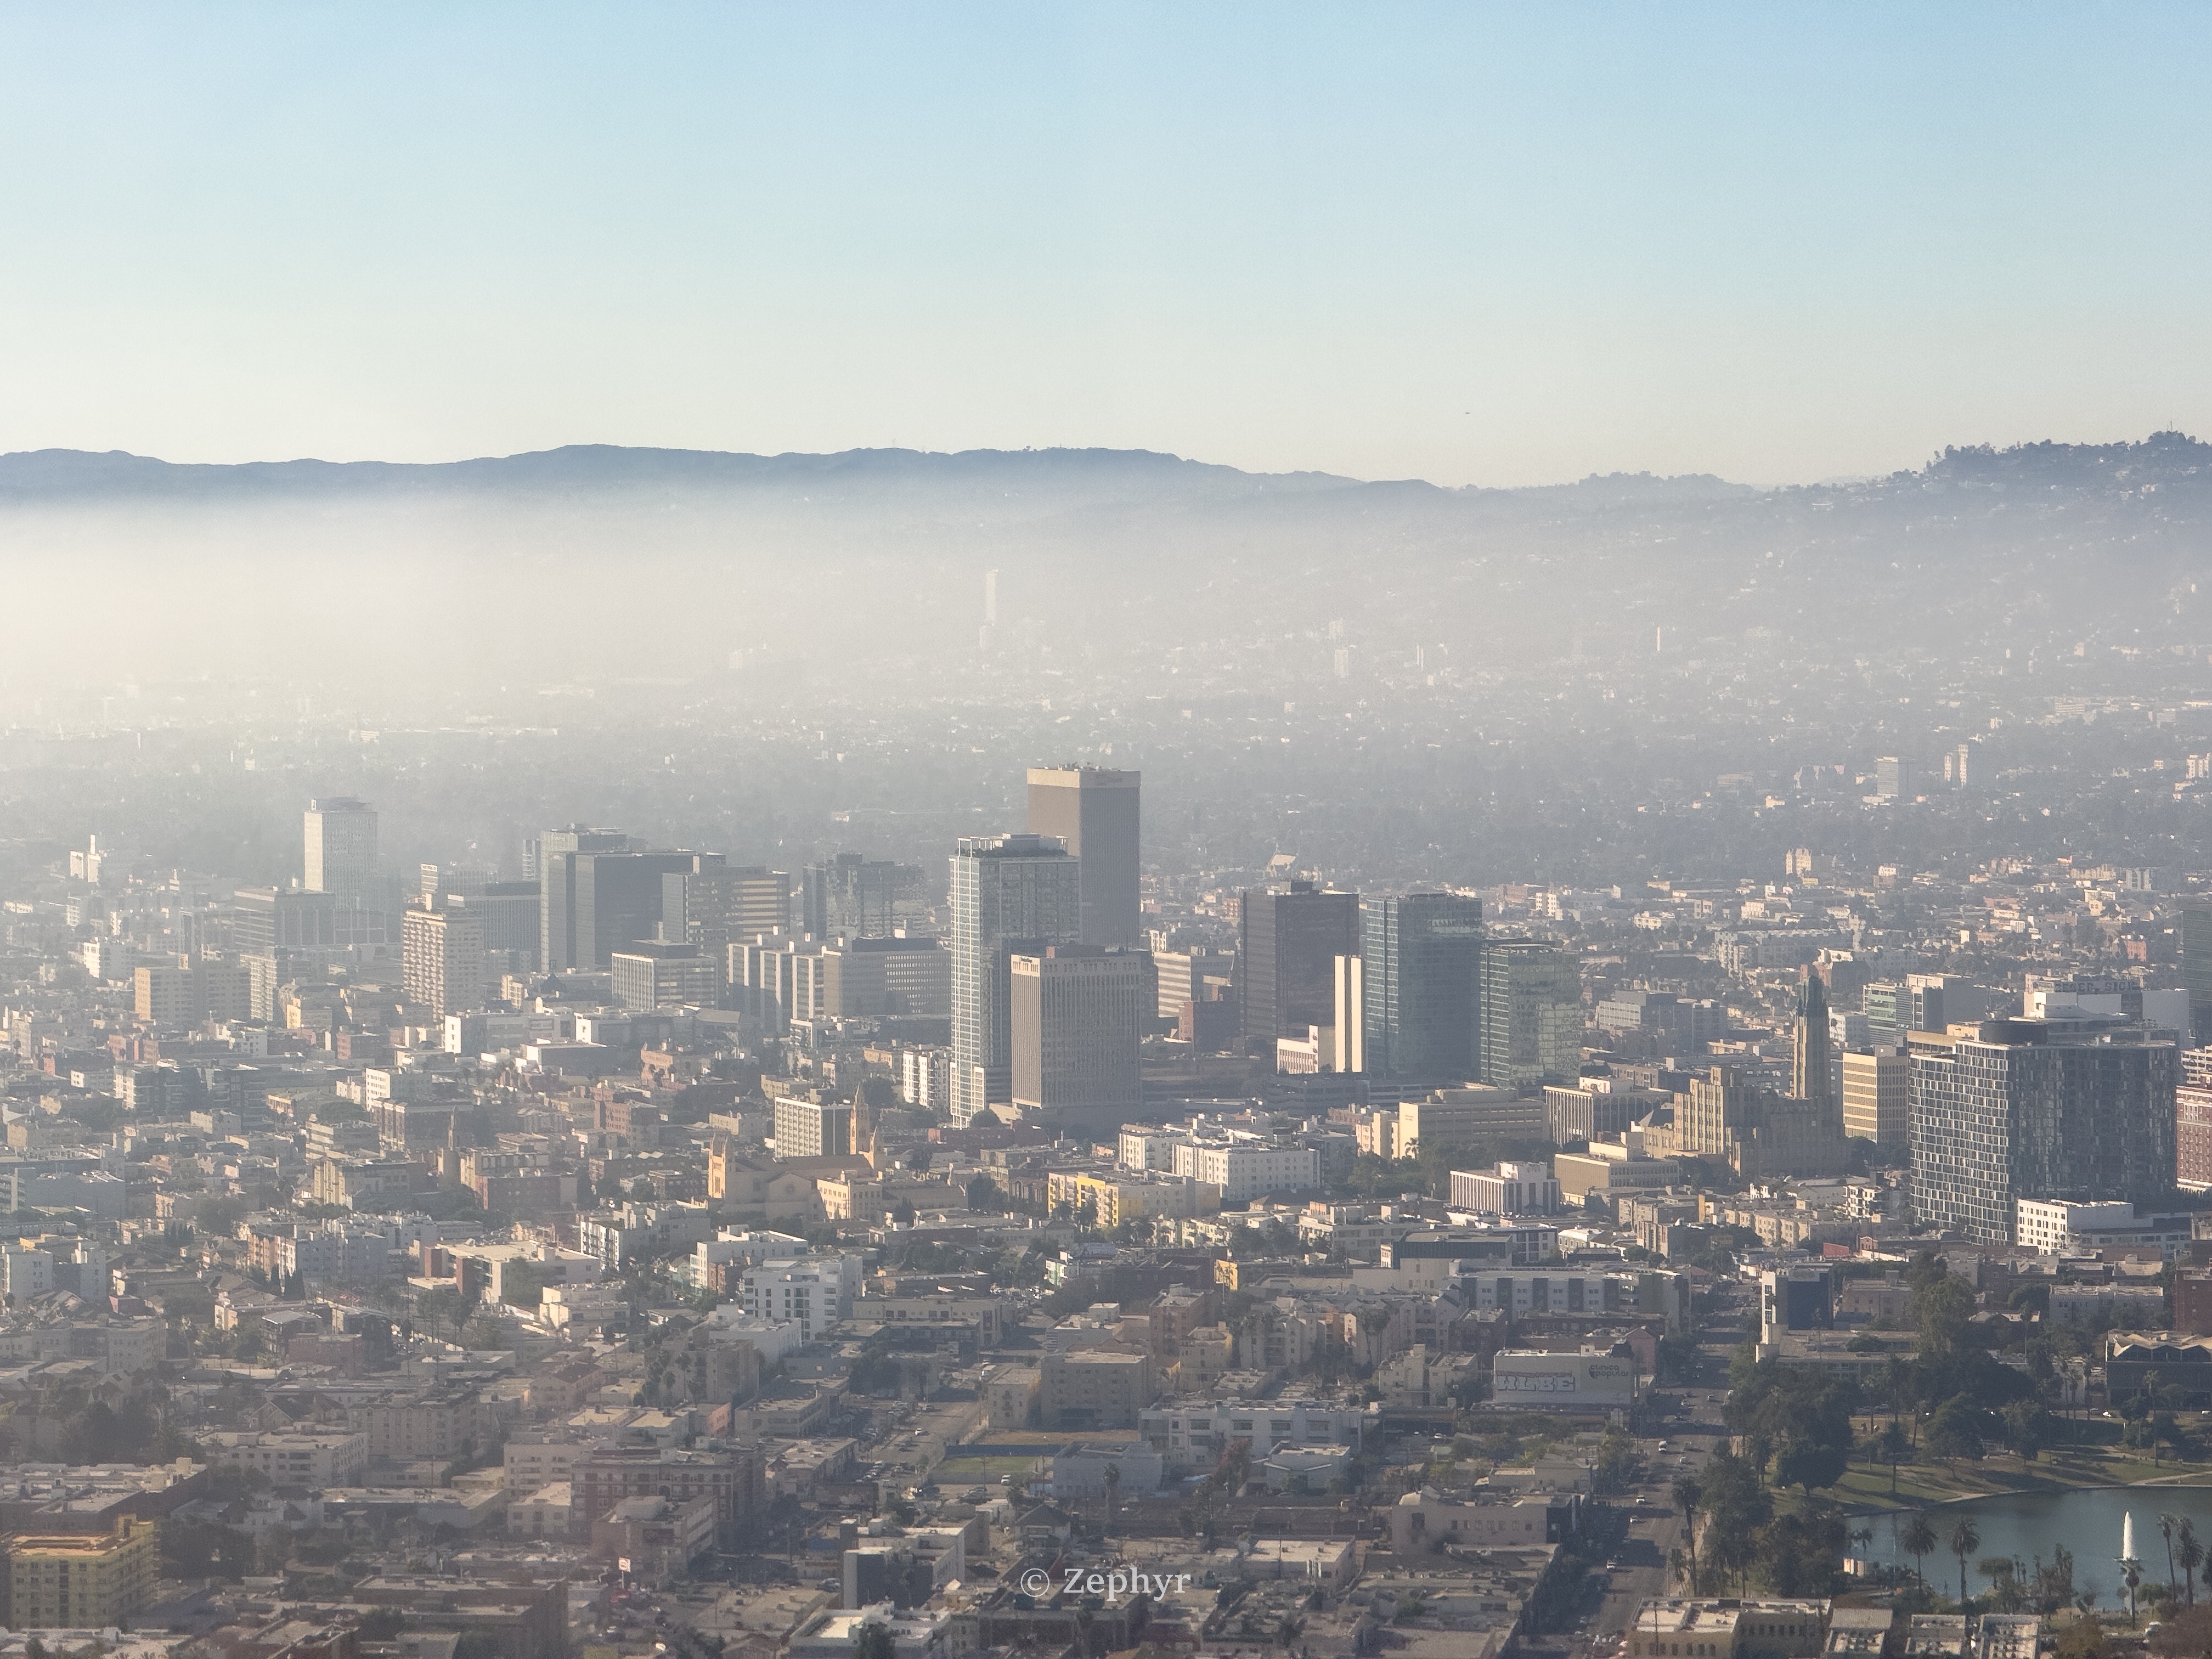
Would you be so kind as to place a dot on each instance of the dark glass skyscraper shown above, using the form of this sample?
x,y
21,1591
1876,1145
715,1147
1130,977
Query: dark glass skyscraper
x,y
1422,961
2197,966
1529,1015
2052,1108
860,897
1287,946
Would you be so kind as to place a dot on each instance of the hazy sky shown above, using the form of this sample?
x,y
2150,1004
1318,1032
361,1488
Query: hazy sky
x,y
1478,245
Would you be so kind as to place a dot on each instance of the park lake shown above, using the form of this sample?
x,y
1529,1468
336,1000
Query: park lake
x,y
2088,1521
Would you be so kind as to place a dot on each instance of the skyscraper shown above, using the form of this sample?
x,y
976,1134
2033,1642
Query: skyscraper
x,y
1808,1062
442,958
1076,1032
1005,890
714,907
860,897
2050,1108
340,851
617,898
1421,958
1878,1098
1095,812
2197,966
1287,946
1530,1014
558,852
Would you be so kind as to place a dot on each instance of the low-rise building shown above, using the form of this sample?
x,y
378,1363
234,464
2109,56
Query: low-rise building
x,y
295,1459
1194,1435
1426,1520
1101,1388
75,1579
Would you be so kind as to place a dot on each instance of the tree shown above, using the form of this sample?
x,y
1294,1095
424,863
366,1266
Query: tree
x,y
1894,1448
1917,1540
2167,1524
1965,1539
983,1194
1942,1311
2131,1575
2190,1555
1810,1463
875,1642
1736,1506
1688,1494
1955,1430
1113,1497
2030,1427
2003,1574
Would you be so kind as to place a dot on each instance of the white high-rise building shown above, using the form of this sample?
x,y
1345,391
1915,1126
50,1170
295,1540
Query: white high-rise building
x,y
341,848
442,959
1005,891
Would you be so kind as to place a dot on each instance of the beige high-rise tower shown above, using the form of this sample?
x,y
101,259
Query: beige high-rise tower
x,y
1095,811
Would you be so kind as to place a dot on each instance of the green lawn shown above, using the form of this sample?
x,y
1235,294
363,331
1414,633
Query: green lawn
x,y
984,1470
1867,1486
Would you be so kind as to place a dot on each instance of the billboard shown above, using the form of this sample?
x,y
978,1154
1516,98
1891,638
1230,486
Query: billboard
x,y
1595,1381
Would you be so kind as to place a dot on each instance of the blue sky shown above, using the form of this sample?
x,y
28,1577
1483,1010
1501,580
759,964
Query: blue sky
x,y
1494,246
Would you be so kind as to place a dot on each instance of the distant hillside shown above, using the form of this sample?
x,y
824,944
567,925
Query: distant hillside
x,y
558,564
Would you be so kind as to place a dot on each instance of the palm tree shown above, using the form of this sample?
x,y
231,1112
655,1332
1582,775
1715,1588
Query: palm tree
x,y
2166,1526
1917,1540
2131,1575
1965,1539
2190,1555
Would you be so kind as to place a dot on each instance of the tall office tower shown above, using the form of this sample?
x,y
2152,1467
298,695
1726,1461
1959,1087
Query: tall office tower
x,y
1529,1014
1878,1099
872,978
714,907
2060,1109
1075,1029
1095,812
860,897
1893,778
559,949
1287,944
1004,890
1923,1002
1808,1060
1349,1028
2192,1122
509,909
778,979
441,959
1422,956
1183,976
660,973
619,897
342,851
2197,966
438,880
273,919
